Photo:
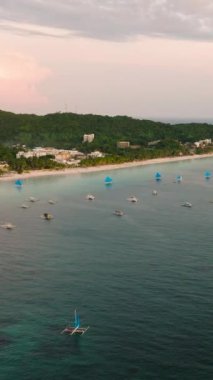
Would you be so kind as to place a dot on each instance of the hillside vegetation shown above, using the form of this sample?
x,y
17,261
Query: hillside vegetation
x,y
66,130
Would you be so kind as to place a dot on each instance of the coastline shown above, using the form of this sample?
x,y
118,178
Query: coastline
x,y
79,170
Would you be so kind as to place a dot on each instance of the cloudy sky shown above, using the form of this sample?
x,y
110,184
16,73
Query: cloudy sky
x,y
145,58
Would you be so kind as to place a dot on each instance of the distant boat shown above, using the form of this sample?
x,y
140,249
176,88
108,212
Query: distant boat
x,y
207,174
8,226
108,180
47,216
154,192
158,176
179,178
132,199
19,183
51,202
76,329
90,197
24,206
118,212
186,204
32,199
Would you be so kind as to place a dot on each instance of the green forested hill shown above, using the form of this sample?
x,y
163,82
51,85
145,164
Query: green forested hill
x,y
66,130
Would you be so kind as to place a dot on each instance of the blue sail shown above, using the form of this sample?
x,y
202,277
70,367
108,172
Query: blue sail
x,y
207,174
108,180
19,182
77,320
179,178
158,176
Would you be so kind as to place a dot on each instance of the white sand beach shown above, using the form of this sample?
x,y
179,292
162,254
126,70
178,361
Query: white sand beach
x,y
79,170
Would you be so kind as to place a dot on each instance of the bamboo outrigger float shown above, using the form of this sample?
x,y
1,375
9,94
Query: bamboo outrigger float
x,y
76,329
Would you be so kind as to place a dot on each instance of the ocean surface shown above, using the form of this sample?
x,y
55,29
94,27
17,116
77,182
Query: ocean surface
x,y
142,282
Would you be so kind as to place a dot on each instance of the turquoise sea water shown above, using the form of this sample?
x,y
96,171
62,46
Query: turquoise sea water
x,y
143,282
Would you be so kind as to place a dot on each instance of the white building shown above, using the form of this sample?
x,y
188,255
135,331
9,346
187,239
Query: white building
x,y
96,154
89,138
60,155
202,143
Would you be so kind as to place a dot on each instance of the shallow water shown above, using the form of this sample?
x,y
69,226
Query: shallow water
x,y
143,282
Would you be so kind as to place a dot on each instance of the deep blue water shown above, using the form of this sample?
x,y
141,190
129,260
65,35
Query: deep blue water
x,y
143,282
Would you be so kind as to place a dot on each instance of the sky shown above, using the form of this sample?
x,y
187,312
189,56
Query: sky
x,y
142,58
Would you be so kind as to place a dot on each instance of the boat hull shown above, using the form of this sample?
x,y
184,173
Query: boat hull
x,y
74,331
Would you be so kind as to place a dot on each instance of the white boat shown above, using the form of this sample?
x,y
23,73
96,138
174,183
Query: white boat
x,y
8,226
118,212
90,197
186,204
132,199
51,202
154,192
32,199
24,206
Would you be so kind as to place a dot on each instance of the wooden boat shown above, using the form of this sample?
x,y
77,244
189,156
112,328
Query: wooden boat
x,y
46,216
76,329
118,212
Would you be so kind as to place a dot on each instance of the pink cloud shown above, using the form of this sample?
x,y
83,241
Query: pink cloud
x,y
21,78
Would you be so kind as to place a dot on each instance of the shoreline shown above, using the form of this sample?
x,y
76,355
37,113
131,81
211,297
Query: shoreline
x,y
92,169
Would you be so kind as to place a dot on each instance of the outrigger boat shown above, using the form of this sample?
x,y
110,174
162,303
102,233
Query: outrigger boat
x,y
46,216
32,199
8,226
118,212
90,197
24,206
186,204
51,202
132,199
76,329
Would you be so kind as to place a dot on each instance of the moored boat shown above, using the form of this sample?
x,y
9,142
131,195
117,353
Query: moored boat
x,y
90,197
32,199
132,199
186,204
118,212
24,206
76,329
47,216
51,202
8,226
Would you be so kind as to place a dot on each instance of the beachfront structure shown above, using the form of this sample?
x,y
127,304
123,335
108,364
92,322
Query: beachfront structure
x,y
59,154
202,143
64,156
4,165
123,144
37,152
88,138
96,154
153,143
